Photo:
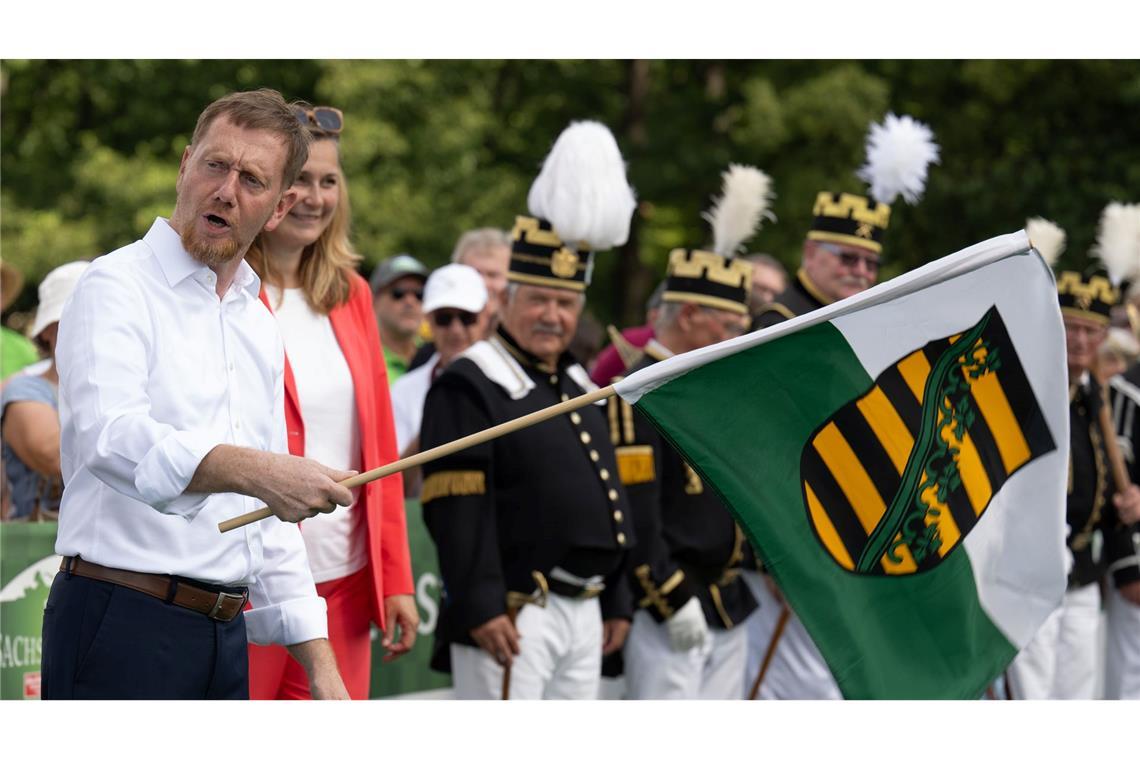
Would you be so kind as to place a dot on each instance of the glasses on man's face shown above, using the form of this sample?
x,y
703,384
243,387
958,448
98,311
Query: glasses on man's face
x,y
850,259
734,325
444,317
325,118
398,294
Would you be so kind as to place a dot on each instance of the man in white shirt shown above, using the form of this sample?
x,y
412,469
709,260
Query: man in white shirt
x,y
172,420
455,298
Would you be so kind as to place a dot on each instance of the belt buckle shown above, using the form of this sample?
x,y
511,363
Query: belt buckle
x,y
590,591
222,597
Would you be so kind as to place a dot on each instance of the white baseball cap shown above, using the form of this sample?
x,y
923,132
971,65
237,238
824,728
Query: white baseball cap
x,y
54,291
455,286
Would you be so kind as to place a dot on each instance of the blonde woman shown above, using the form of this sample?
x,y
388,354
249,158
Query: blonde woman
x,y
337,410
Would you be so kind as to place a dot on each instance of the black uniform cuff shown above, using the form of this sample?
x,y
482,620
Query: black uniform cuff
x,y
664,599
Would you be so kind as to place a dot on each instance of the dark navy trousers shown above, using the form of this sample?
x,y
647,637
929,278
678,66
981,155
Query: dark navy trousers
x,y
103,641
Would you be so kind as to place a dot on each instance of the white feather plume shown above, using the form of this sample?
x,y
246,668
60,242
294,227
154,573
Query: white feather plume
x,y
582,190
1046,237
1118,241
898,152
737,214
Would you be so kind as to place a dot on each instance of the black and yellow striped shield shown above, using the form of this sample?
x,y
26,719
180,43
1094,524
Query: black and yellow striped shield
x,y
896,478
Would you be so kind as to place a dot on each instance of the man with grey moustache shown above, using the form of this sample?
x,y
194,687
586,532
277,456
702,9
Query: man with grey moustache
x,y
172,420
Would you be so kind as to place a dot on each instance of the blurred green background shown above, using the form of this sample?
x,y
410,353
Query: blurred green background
x,y
90,148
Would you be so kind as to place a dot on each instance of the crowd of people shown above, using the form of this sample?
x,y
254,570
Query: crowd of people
x,y
236,357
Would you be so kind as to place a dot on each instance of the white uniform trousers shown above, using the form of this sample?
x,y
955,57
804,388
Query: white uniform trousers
x,y
1060,660
797,669
560,655
653,670
1122,648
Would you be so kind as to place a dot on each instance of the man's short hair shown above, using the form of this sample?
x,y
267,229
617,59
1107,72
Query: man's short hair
x,y
766,260
656,298
262,109
480,239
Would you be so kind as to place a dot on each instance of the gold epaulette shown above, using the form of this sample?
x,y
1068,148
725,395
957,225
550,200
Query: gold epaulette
x,y
635,464
453,483
779,308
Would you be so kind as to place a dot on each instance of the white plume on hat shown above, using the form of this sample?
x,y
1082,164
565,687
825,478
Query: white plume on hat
x,y
582,189
898,152
738,213
1046,237
1118,241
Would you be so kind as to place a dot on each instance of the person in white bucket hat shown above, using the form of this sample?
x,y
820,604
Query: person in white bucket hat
x,y
30,417
454,300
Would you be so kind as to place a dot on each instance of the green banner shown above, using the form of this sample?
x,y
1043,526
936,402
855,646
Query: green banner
x,y
410,673
28,563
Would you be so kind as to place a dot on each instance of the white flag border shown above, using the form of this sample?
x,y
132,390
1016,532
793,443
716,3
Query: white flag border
x,y
970,259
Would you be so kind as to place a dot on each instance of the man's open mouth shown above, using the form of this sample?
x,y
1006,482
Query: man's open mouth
x,y
216,221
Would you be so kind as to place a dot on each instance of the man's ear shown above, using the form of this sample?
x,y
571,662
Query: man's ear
x,y
284,204
809,252
182,165
686,316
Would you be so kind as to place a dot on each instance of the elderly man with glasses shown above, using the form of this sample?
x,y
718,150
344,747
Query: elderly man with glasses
x,y
840,257
398,290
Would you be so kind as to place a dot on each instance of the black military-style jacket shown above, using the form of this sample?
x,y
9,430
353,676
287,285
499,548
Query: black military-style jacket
x,y
1097,538
524,503
798,298
688,543
1124,394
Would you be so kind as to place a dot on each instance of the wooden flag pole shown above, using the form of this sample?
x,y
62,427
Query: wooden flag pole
x,y
1112,447
782,623
441,451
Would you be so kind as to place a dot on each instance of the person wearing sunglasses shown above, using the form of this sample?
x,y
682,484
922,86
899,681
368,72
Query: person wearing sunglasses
x,y
455,300
398,288
337,410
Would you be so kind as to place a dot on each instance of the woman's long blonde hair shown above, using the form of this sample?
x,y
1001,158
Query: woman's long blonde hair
x,y
326,264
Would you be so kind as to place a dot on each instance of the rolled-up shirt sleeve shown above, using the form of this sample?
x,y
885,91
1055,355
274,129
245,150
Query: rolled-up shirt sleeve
x,y
105,339
286,608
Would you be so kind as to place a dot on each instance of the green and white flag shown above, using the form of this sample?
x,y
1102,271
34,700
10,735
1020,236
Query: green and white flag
x,y
899,460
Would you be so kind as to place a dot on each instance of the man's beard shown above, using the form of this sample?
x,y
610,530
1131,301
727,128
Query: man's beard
x,y
210,253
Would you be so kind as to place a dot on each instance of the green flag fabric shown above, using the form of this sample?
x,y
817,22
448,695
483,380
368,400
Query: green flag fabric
x,y
898,459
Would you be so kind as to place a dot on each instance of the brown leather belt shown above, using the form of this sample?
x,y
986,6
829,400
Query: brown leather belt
x,y
216,605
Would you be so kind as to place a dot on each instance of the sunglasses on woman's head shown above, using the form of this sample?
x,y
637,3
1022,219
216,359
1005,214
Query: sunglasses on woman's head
x,y
444,318
324,118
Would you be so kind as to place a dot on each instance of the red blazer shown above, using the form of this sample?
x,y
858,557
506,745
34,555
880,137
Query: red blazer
x,y
389,560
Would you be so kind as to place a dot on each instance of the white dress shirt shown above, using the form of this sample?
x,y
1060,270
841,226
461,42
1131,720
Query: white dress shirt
x,y
154,372
408,395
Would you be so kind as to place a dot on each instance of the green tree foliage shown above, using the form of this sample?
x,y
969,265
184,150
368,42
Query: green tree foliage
x,y
90,149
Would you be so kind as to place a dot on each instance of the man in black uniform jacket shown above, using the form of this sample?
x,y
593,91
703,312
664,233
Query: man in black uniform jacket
x,y
686,641
840,257
532,528
1122,649
1060,661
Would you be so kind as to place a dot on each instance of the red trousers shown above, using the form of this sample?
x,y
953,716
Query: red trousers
x,y
273,674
